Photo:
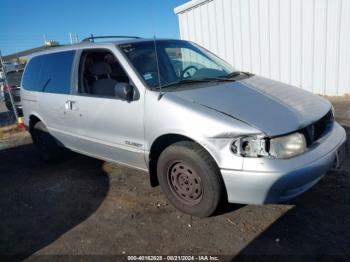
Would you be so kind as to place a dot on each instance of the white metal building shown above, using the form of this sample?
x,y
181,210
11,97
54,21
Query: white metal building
x,y
305,43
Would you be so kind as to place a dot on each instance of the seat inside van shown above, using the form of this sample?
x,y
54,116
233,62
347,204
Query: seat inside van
x,y
99,72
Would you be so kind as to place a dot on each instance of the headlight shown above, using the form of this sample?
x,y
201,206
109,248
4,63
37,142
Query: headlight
x,y
250,146
287,146
278,147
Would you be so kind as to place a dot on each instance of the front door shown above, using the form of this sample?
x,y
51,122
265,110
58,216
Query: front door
x,y
102,124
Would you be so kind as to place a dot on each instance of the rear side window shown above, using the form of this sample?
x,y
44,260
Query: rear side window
x,y
31,75
56,72
49,73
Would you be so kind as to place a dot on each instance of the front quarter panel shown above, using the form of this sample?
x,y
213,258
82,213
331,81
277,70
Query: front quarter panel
x,y
211,129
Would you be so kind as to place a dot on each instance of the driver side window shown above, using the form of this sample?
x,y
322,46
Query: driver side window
x,y
100,73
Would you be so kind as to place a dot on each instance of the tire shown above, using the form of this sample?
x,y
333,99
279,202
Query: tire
x,y
190,179
47,146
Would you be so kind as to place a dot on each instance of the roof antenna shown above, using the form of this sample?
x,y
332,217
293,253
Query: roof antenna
x,y
159,83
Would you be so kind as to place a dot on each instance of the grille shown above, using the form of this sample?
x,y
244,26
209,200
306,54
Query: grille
x,y
315,131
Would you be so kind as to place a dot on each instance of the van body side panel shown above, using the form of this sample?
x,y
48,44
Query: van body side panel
x,y
52,108
30,103
108,128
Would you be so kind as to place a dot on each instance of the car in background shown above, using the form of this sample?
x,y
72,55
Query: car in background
x,y
2,76
13,86
9,67
2,80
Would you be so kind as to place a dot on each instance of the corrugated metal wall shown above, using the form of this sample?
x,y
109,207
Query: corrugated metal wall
x,y
305,43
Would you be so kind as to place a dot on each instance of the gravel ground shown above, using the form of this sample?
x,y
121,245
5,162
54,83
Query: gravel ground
x,y
84,206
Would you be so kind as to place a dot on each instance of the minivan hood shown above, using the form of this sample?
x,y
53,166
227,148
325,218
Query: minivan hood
x,y
270,106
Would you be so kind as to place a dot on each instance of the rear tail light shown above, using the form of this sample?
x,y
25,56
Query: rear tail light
x,y
6,88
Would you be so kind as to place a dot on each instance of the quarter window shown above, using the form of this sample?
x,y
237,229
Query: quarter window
x,y
31,75
49,73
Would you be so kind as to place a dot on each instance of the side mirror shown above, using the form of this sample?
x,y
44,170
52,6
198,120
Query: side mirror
x,y
124,91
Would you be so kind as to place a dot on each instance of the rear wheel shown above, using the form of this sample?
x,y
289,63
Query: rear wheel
x,y
190,178
48,148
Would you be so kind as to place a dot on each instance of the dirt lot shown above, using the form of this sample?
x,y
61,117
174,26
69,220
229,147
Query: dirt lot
x,y
88,207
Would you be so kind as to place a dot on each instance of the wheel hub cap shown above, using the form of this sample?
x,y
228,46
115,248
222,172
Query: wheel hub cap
x,y
185,183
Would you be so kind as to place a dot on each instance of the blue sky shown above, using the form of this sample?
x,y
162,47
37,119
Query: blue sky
x,y
24,22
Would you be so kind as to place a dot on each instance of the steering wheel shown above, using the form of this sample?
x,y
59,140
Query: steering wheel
x,y
188,74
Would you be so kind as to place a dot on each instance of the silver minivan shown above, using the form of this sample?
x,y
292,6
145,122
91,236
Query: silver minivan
x,y
204,131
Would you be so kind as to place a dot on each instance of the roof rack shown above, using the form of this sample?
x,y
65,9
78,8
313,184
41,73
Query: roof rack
x,y
92,37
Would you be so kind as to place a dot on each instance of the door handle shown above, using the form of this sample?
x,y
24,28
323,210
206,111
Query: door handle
x,y
71,105
67,105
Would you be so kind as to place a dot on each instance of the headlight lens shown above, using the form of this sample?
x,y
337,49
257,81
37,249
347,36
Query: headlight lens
x,y
250,146
278,147
287,146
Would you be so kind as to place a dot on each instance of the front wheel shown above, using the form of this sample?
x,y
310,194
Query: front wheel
x,y
190,179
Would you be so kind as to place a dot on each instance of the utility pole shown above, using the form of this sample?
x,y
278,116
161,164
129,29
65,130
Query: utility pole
x,y
70,37
8,88
76,38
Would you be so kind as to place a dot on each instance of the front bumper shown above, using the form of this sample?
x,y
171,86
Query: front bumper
x,y
265,180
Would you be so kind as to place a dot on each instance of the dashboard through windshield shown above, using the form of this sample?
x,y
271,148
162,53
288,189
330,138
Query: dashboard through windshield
x,y
163,62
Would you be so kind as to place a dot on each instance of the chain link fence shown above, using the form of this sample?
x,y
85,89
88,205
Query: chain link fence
x,y
7,117
10,107
10,97
10,101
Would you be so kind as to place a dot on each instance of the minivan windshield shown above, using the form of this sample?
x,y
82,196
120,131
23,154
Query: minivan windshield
x,y
167,62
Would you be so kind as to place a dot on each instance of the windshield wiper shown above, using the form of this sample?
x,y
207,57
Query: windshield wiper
x,y
200,80
188,81
236,73
218,79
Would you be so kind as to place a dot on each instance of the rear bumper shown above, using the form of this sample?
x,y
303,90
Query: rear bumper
x,y
276,180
